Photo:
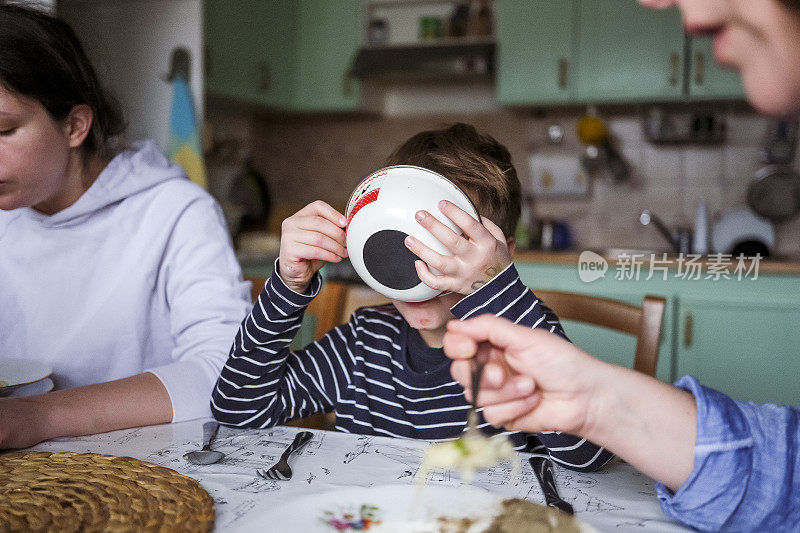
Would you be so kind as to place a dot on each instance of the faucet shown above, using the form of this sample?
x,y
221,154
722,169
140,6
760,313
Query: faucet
x,y
680,239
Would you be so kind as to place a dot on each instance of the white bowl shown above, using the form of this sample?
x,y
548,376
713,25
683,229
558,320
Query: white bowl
x,y
381,214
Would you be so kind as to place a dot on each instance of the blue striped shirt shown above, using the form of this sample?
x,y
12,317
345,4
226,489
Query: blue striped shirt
x,y
361,372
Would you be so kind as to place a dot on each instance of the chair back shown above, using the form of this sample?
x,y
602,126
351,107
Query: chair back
x,y
643,322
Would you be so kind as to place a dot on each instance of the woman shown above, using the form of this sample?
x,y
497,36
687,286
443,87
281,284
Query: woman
x,y
720,464
114,268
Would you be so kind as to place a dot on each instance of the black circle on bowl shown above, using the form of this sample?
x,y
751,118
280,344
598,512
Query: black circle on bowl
x,y
387,259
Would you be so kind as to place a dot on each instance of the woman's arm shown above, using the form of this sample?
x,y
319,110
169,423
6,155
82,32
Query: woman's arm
x,y
138,400
538,381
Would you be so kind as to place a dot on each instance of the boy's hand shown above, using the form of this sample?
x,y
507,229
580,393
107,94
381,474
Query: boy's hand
x,y
309,238
478,255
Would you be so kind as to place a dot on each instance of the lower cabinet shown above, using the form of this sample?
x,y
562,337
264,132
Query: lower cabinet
x,y
749,350
741,337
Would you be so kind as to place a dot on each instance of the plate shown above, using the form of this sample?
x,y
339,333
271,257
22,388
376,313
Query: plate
x,y
385,508
31,389
18,372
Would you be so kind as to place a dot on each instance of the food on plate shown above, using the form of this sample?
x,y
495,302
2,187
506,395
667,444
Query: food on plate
x,y
469,453
3,384
364,519
513,515
522,516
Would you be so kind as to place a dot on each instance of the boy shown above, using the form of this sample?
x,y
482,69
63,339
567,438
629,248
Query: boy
x,y
384,372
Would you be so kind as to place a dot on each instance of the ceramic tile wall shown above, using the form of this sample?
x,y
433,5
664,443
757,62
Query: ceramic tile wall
x,y
324,157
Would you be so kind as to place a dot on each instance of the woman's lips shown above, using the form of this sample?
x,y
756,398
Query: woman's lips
x,y
699,29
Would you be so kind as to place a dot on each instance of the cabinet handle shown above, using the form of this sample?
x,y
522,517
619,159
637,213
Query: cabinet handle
x,y
688,330
699,68
263,77
674,64
347,84
562,73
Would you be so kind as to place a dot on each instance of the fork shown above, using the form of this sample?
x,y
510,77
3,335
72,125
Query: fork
x,y
281,470
478,362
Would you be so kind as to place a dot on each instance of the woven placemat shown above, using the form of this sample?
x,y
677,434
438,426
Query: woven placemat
x,y
68,491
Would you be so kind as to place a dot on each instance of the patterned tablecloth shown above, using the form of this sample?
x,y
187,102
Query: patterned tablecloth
x,y
617,498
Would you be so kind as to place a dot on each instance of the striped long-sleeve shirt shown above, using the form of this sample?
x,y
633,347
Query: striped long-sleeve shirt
x,y
361,371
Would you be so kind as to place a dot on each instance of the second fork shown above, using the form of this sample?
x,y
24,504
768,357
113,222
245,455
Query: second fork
x,y
281,470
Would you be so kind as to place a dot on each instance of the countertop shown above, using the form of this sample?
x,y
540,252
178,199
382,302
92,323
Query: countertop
x,y
766,266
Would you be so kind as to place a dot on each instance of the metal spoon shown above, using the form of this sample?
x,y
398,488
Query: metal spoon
x,y
206,456
478,362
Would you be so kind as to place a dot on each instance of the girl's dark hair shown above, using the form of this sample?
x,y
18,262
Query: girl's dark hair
x,y
41,58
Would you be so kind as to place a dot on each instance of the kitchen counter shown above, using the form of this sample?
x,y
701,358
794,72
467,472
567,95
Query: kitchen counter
x,y
766,266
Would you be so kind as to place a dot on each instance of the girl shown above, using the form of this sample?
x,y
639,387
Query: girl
x,y
115,269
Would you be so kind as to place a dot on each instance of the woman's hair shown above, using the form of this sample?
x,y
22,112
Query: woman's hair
x,y
42,59
477,163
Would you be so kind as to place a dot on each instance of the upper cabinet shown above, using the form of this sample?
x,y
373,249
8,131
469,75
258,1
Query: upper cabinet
x,y
535,51
628,52
707,80
328,39
291,55
581,51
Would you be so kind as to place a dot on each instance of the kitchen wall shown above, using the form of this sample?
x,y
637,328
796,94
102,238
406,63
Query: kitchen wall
x,y
130,43
305,158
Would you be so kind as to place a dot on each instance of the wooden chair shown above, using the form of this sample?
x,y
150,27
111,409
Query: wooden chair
x,y
333,305
643,322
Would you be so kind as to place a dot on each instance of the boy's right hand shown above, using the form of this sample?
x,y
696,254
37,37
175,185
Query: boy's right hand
x,y
309,238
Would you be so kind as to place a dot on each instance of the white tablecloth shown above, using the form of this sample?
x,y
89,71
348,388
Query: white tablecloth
x,y
617,498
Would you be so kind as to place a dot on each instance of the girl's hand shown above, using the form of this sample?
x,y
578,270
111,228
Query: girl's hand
x,y
309,238
479,254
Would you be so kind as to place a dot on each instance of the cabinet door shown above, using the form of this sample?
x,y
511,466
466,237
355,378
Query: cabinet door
x,y
629,52
230,54
535,51
329,36
250,49
748,350
706,78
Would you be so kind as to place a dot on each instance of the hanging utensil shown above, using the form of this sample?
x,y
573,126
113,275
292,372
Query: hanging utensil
x,y
774,193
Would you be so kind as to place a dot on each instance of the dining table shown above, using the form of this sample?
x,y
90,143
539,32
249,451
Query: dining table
x,y
615,498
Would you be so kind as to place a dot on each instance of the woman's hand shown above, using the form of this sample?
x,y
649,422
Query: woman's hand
x,y
21,420
138,400
534,380
479,254
310,238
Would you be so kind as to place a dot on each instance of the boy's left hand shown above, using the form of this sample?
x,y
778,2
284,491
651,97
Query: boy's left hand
x,y
478,255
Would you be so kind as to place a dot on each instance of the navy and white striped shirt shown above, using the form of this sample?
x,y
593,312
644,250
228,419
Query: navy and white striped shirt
x,y
361,371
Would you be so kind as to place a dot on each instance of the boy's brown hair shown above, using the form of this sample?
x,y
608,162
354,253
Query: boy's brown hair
x,y
477,163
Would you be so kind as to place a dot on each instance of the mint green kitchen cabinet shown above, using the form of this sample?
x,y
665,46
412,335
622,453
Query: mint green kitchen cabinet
x,y
741,337
747,349
706,79
629,52
329,37
250,50
601,51
535,51
283,54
